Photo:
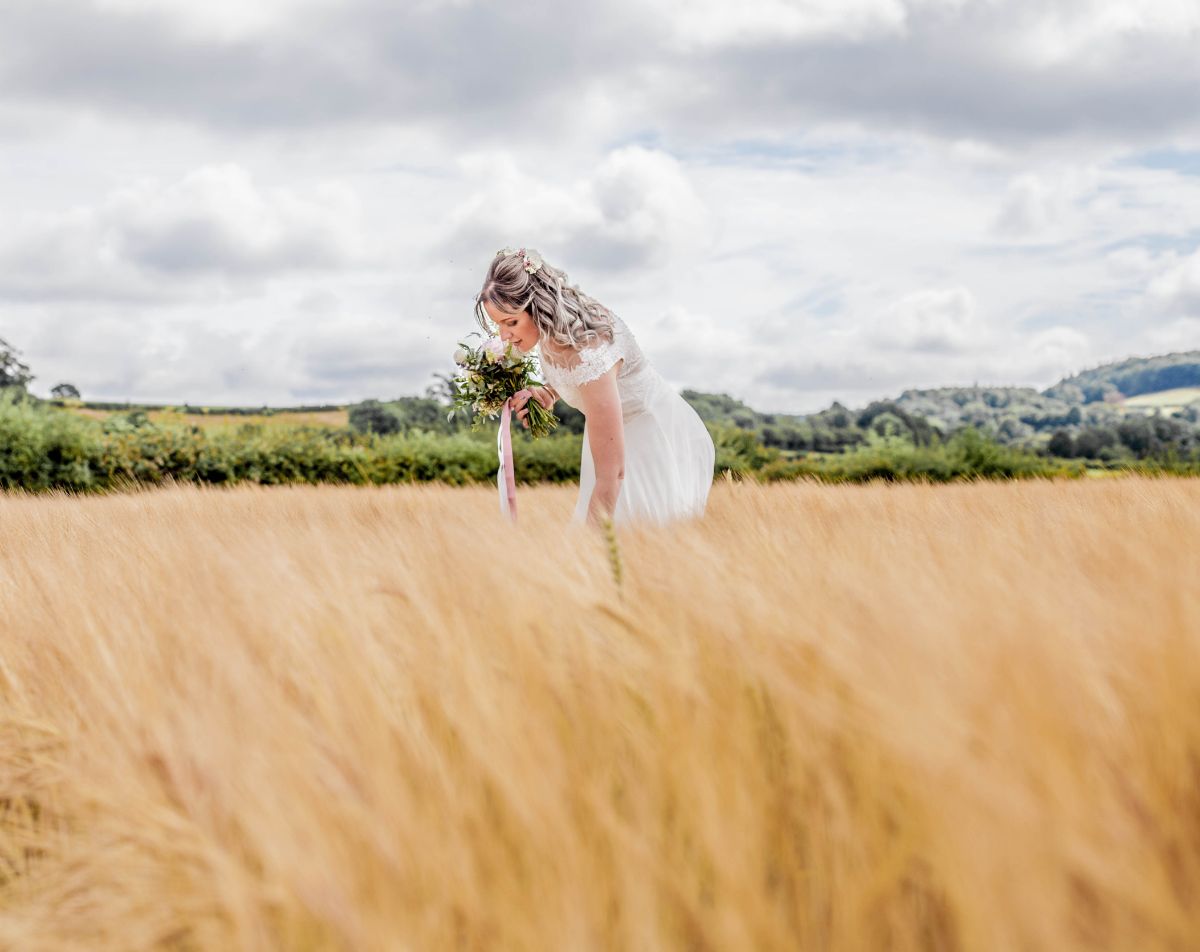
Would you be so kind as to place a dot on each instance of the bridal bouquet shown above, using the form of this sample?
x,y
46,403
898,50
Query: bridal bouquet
x,y
491,374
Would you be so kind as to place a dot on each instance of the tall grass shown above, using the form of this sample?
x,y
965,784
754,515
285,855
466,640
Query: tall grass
x,y
824,717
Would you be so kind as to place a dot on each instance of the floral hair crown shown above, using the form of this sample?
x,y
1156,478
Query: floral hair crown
x,y
530,259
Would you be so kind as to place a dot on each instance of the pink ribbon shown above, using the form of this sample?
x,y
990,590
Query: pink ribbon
x,y
506,478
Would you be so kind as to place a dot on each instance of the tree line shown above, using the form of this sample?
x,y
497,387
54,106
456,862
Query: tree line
x,y
1078,418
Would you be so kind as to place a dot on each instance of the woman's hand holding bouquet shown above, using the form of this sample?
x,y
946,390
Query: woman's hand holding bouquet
x,y
542,395
495,373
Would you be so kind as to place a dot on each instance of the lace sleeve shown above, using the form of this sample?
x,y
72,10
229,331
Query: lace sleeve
x,y
587,363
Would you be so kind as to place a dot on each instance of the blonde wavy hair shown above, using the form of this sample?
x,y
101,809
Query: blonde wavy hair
x,y
560,310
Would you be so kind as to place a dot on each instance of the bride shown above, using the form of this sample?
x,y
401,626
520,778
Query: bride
x,y
646,453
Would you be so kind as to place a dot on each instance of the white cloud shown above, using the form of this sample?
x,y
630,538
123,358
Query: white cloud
x,y
218,220
1177,288
1028,208
637,208
1013,71
233,355
220,20
1058,351
1132,262
153,241
1095,31
936,321
713,23
1053,203
1183,333
335,360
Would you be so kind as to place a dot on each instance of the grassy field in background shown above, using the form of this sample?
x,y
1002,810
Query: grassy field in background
x,y
898,717
1164,400
332,418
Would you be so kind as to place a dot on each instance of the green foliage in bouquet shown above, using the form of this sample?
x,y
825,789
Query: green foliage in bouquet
x,y
491,373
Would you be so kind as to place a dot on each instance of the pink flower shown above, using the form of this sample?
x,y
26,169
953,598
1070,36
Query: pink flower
x,y
494,348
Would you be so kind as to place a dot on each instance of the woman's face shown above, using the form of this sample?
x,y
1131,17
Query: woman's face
x,y
515,326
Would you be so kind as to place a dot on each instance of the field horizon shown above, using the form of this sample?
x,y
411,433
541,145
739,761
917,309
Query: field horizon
x,y
882,716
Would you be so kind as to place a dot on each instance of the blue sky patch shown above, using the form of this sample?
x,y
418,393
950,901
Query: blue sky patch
x,y
1183,161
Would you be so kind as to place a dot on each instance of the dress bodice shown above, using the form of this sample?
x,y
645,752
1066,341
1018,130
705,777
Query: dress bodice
x,y
637,381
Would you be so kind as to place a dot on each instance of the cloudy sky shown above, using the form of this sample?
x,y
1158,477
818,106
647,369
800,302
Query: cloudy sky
x,y
791,201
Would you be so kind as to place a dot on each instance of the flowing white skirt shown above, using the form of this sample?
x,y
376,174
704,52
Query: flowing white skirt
x,y
669,457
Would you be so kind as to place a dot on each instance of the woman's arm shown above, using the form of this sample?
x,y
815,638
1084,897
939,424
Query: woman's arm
x,y
601,404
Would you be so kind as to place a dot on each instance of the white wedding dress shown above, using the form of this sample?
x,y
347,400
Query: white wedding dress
x,y
669,453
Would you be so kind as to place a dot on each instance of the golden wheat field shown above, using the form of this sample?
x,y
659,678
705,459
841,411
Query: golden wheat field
x,y
217,420
886,717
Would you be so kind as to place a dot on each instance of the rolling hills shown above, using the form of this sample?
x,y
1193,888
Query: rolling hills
x,y
1130,408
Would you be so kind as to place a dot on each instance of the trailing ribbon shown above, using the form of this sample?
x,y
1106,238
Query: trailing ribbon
x,y
506,478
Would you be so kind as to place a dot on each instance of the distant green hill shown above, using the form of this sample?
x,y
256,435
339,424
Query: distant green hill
x,y
1131,377
1093,398
1087,408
